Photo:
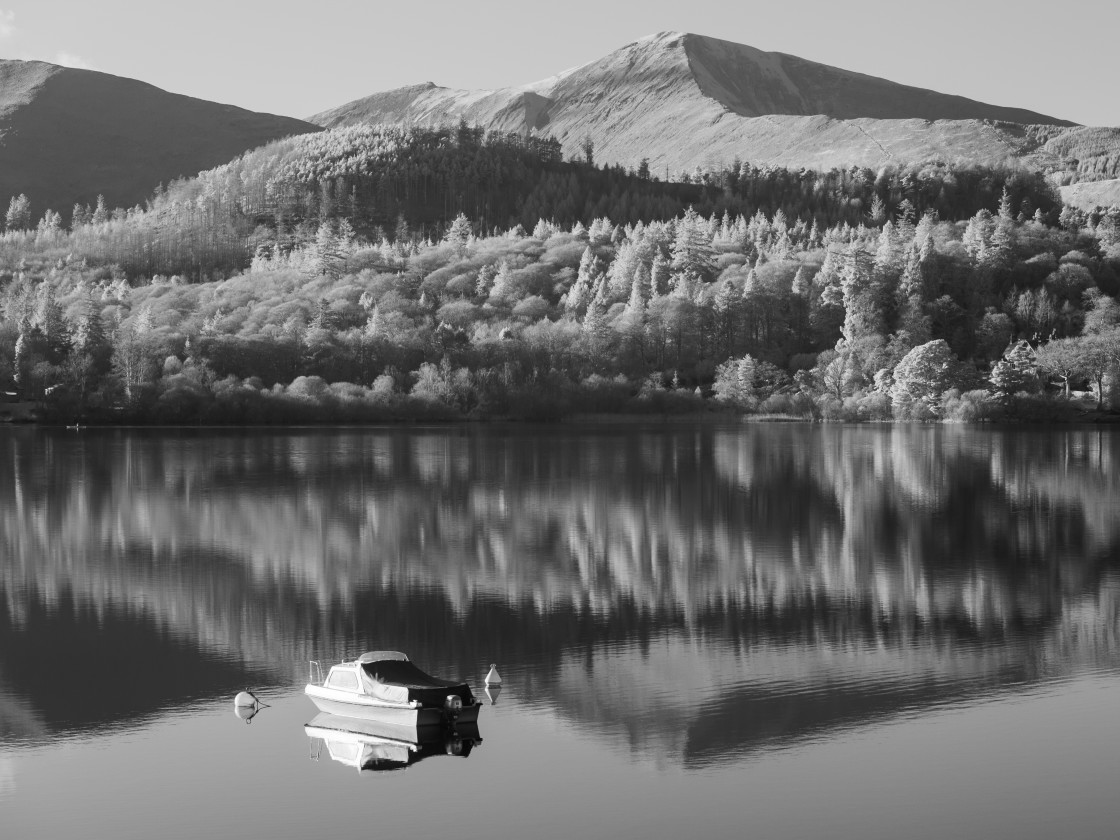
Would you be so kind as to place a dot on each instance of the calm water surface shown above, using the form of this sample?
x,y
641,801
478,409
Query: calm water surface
x,y
704,631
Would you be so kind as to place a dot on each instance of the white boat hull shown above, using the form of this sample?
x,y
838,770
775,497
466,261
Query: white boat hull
x,y
363,707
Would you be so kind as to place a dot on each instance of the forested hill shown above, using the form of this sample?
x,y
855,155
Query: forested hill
x,y
68,135
370,273
684,100
396,184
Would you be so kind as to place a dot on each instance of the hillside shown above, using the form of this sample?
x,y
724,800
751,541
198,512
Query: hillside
x,y
380,177
685,100
1088,195
67,135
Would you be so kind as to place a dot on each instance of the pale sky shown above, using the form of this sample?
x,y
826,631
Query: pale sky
x,y
298,58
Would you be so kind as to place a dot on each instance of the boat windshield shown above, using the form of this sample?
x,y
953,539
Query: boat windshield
x,y
382,656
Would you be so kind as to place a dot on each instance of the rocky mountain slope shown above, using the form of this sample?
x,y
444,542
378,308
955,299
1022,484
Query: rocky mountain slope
x,y
684,100
67,135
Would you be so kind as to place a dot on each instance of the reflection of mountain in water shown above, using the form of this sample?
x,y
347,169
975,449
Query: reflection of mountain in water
x,y
74,667
858,569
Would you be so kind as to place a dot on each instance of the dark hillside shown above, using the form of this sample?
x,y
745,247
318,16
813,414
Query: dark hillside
x,y
68,135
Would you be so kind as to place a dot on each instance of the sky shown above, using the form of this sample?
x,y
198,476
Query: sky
x,y
299,58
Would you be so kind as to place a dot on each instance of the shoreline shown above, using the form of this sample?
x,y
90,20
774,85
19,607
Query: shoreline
x,y
621,419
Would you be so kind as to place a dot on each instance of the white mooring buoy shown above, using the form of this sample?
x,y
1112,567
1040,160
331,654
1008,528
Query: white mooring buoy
x,y
492,678
246,705
245,698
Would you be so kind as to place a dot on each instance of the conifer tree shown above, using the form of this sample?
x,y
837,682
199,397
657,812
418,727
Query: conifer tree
x,y
49,319
459,232
502,291
863,315
401,232
923,233
726,305
639,290
344,236
329,256
89,337
485,280
101,212
735,382
1005,212
912,282
596,328
80,216
579,296
621,271
978,236
50,224
692,249
801,290
904,221
886,253
18,216
660,271
1017,371
22,356
878,211
1002,242
601,231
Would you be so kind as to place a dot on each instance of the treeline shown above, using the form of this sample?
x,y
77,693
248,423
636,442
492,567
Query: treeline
x,y
407,185
999,315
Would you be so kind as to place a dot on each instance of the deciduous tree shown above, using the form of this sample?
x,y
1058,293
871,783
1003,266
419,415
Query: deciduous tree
x,y
920,379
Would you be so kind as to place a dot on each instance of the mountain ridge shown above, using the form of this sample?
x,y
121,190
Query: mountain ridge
x,y
68,135
801,76
684,100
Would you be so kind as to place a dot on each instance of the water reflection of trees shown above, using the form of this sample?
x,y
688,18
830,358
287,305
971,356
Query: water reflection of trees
x,y
563,547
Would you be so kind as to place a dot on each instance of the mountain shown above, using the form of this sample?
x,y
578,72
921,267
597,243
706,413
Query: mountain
x,y
67,135
684,100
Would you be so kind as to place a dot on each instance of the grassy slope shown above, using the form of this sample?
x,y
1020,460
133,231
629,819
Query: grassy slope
x,y
684,100
1091,194
67,135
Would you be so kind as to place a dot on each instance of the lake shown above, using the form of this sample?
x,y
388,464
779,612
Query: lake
x,y
703,630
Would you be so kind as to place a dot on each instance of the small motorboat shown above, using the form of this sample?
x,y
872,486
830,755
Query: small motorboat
x,y
385,686
372,745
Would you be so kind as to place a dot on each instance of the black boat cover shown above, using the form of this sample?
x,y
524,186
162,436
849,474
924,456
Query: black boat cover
x,y
429,690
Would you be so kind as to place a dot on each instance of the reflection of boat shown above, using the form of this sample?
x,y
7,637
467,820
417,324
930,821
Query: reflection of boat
x,y
373,745
385,686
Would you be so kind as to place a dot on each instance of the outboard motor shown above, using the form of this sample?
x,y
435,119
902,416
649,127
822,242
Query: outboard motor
x,y
453,745
453,705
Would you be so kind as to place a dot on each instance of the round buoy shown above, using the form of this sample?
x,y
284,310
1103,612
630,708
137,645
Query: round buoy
x,y
245,698
246,705
492,678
